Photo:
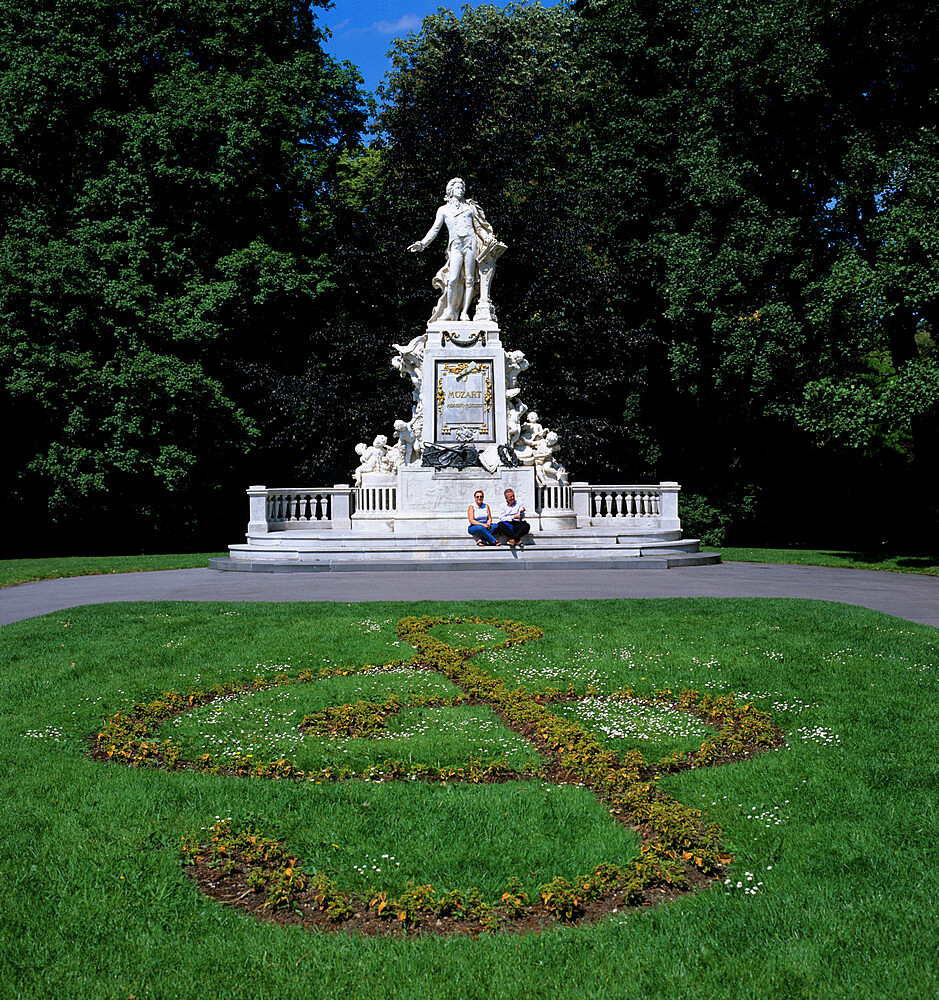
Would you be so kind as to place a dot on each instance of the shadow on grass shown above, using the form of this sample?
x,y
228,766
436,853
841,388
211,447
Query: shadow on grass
x,y
889,561
881,560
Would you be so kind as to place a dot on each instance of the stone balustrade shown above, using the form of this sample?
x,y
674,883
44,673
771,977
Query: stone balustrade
x,y
377,500
632,503
280,508
558,497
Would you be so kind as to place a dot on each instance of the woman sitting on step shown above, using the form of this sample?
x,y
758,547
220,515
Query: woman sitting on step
x,y
480,520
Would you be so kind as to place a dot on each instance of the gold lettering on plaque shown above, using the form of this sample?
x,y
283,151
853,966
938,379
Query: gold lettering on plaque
x,y
463,398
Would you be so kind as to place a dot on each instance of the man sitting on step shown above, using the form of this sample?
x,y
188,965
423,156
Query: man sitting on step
x,y
511,520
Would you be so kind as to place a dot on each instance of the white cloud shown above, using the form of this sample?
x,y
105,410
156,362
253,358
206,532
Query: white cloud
x,y
407,22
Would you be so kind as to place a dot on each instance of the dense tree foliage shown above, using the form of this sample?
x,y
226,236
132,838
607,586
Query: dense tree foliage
x,y
774,163
164,174
721,220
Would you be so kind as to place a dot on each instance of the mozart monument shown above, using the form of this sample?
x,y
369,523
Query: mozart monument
x,y
468,430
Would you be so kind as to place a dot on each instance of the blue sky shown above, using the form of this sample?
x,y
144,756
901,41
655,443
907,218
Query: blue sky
x,y
364,29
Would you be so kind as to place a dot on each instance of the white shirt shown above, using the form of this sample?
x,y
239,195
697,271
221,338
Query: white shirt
x,y
510,513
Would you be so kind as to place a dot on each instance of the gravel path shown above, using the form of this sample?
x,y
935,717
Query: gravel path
x,y
904,595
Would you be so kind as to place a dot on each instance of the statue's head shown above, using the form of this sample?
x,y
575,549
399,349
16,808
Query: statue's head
x,y
453,184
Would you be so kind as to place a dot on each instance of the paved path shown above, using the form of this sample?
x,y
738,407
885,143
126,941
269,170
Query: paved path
x,y
909,596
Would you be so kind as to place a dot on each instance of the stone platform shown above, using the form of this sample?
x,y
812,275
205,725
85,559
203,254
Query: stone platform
x,y
345,528
333,550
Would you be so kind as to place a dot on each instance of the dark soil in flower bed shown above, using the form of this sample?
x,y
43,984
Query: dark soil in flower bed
x,y
232,890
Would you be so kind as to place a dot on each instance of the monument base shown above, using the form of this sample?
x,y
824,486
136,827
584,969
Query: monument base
x,y
572,527
420,502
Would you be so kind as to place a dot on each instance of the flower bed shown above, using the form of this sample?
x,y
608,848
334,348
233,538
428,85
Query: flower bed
x,y
679,851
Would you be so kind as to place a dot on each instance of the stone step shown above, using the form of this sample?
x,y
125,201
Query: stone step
x,y
369,563
555,541
483,556
457,533
573,550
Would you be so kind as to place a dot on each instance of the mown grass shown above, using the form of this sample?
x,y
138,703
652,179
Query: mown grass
x,y
892,562
839,827
266,725
13,571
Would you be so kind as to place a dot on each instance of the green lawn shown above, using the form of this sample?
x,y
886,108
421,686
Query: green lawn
x,y
14,571
893,562
24,570
836,832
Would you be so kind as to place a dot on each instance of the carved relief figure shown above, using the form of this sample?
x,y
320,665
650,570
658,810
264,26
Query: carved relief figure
x,y
404,432
374,458
472,252
546,472
515,364
513,421
410,362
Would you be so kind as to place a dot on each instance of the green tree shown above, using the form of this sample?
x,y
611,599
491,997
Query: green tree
x,y
165,178
489,95
770,161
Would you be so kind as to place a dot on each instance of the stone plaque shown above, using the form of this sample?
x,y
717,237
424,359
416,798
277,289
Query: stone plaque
x,y
463,404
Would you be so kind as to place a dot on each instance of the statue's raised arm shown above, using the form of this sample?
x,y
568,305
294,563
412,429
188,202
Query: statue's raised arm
x,y
472,252
431,233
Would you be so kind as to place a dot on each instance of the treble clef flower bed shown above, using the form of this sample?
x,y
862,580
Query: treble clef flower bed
x,y
246,867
